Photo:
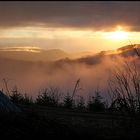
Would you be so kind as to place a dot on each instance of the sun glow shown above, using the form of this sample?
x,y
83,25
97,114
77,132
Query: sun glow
x,y
119,34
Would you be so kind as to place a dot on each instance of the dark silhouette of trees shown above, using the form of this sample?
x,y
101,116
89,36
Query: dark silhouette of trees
x,y
81,103
68,102
49,97
95,103
18,98
27,100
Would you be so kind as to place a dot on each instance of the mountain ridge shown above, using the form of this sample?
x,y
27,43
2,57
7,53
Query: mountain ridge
x,y
37,54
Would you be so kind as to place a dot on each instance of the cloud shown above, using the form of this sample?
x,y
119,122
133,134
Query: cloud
x,y
21,49
93,15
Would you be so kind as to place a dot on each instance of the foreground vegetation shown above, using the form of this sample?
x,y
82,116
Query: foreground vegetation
x,y
39,122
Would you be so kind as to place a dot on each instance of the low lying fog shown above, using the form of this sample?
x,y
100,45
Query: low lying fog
x,y
30,77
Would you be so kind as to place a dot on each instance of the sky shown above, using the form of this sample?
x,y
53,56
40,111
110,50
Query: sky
x,y
70,26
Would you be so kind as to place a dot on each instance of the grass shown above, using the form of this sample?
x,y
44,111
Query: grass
x,y
44,124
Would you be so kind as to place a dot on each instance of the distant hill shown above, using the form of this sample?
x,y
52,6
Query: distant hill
x,y
37,54
129,50
33,54
93,59
128,47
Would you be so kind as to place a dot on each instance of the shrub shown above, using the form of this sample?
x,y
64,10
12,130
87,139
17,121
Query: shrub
x,y
81,103
68,101
49,97
18,98
95,103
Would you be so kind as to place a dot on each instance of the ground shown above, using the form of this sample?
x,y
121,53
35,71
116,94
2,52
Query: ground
x,y
41,122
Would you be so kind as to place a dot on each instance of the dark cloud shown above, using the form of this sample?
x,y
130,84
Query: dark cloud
x,y
95,15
